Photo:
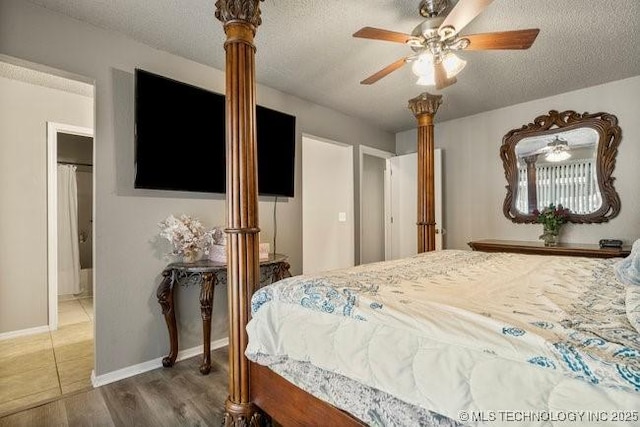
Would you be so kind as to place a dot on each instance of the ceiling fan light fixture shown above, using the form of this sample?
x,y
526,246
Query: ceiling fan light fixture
x,y
438,36
446,32
415,42
426,80
557,156
423,65
453,64
559,150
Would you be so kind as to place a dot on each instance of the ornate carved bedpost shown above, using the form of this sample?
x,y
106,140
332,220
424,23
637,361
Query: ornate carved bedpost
x,y
424,107
241,19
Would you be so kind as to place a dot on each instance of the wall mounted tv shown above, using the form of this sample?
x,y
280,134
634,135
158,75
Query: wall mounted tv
x,y
180,140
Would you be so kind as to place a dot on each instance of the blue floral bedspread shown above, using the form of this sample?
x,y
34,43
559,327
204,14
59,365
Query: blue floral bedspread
x,y
567,318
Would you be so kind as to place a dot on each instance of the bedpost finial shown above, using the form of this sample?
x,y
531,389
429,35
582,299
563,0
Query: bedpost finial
x,y
239,10
425,103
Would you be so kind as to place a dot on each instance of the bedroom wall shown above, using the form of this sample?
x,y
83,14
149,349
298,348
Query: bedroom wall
x,y
474,183
24,111
129,325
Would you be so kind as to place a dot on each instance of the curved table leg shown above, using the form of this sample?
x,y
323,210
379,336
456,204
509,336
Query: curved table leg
x,y
206,303
165,298
281,271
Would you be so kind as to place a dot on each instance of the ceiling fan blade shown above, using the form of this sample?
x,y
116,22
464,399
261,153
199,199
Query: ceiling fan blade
x,y
384,72
379,34
464,12
441,78
518,39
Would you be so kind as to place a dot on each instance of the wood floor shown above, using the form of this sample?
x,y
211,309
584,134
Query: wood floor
x,y
171,397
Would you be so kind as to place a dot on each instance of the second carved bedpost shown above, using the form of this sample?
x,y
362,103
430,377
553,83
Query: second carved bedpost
x,y
241,19
424,107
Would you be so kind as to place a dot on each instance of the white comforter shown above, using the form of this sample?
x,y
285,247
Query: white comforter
x,y
470,335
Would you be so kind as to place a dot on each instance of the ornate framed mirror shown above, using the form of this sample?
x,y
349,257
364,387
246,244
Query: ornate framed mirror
x,y
563,159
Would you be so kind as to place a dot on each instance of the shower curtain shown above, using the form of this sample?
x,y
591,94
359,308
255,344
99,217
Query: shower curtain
x,y
68,250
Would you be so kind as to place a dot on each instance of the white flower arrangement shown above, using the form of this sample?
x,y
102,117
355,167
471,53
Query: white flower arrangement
x,y
187,235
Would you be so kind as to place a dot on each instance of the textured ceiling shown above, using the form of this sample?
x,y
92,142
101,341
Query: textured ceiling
x,y
305,48
27,75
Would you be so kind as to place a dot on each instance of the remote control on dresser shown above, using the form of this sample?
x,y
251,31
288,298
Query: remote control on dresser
x,y
610,243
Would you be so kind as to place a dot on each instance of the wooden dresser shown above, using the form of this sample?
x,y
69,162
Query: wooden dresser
x,y
538,248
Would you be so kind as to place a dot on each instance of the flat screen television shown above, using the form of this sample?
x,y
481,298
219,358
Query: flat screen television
x,y
180,140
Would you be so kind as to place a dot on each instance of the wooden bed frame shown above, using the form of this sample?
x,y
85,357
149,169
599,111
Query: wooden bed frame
x,y
255,390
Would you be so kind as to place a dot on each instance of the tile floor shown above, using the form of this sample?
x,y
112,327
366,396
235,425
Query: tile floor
x,y
44,366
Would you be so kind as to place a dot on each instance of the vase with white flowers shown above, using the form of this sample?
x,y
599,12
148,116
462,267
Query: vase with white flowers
x,y
190,239
218,249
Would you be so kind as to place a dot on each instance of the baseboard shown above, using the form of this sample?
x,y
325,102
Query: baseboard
x,y
24,332
140,368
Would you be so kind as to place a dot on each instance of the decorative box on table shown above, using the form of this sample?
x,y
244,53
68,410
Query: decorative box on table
x,y
218,253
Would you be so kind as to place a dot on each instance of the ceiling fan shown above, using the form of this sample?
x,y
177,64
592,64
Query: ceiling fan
x,y
555,150
437,38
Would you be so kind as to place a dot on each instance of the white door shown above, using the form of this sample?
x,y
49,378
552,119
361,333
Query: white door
x,y
402,205
327,205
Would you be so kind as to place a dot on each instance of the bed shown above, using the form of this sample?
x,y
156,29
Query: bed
x,y
434,336
484,328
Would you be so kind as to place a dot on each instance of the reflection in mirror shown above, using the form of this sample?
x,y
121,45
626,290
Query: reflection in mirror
x,y
558,169
562,158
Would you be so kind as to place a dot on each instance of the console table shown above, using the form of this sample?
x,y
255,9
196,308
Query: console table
x,y
538,248
206,274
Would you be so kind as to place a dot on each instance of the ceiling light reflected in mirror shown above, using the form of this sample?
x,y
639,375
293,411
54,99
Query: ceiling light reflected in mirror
x,y
558,150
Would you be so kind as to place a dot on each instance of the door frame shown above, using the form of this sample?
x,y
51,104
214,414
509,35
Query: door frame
x,y
52,210
439,198
375,152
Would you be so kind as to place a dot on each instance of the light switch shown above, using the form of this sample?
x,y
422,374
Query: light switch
x,y
342,217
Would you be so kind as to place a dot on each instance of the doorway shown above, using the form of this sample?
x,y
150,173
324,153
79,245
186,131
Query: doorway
x,y
70,216
327,205
373,187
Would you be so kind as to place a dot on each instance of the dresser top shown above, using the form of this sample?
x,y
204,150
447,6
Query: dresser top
x,y
538,247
